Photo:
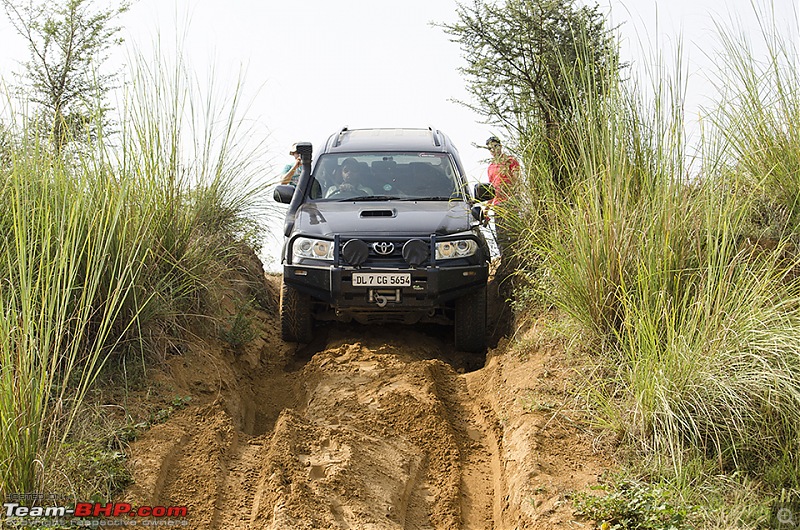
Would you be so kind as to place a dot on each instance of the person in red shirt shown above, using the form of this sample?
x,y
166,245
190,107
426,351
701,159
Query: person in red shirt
x,y
503,171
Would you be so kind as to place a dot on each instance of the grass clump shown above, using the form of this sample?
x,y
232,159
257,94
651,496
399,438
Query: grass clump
x,y
694,316
69,279
238,329
107,249
97,472
757,121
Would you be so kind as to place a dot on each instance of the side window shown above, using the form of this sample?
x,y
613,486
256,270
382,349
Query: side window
x,y
324,177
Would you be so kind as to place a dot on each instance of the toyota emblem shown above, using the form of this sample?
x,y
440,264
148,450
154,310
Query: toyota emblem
x,y
384,248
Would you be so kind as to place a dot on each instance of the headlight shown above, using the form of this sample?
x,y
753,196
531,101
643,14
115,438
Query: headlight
x,y
456,249
304,247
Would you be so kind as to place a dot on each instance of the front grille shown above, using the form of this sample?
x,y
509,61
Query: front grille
x,y
375,260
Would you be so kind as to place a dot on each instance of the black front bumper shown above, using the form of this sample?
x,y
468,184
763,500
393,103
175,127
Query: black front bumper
x,y
431,288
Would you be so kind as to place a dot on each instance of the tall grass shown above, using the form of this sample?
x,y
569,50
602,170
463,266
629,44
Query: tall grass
x,y
199,168
111,246
757,119
697,323
71,262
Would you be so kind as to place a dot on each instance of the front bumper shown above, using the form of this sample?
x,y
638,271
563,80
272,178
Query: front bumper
x,y
431,288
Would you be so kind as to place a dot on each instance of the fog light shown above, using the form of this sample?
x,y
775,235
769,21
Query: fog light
x,y
416,252
355,252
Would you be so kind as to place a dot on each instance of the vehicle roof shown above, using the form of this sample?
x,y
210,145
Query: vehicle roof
x,y
399,139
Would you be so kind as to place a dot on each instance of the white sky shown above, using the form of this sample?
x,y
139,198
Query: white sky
x,y
313,66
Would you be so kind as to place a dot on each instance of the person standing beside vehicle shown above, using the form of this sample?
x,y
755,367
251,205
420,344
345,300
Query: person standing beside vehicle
x,y
503,171
291,172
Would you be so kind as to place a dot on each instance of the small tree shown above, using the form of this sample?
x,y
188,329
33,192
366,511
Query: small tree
x,y
522,57
68,41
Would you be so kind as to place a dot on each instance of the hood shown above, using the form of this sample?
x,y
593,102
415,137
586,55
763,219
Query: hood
x,y
383,217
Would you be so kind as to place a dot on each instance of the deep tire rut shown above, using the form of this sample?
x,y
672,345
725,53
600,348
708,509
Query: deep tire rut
x,y
235,499
477,474
366,435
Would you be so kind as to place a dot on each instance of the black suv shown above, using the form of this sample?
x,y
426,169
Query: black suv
x,y
384,228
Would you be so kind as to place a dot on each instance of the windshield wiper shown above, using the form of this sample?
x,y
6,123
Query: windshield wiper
x,y
447,198
371,198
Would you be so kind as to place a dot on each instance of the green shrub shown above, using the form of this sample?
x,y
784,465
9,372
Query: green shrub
x,y
632,505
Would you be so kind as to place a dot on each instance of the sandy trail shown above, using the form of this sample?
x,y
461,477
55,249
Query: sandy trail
x,y
368,428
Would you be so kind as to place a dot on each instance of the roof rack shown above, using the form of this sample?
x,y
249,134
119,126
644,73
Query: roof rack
x,y
338,141
435,135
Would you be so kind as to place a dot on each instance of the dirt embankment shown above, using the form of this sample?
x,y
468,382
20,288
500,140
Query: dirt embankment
x,y
367,428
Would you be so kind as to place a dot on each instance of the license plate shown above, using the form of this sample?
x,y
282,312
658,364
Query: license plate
x,y
381,279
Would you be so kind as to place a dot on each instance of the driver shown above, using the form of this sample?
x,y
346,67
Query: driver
x,y
349,184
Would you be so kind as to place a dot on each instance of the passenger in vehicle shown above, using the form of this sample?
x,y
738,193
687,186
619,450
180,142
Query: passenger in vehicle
x,y
428,181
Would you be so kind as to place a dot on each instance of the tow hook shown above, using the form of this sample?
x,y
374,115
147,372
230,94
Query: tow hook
x,y
381,300
383,297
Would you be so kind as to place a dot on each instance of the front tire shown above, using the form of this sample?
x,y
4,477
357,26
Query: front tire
x,y
470,322
297,324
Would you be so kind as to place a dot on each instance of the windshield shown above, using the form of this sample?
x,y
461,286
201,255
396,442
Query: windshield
x,y
385,176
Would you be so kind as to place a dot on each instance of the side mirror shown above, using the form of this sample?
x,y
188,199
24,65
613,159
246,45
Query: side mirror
x,y
283,193
484,192
477,212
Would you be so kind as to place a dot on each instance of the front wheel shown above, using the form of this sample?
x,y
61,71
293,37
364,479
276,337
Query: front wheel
x,y
470,322
296,321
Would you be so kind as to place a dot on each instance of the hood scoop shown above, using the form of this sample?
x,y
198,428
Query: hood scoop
x,y
368,214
